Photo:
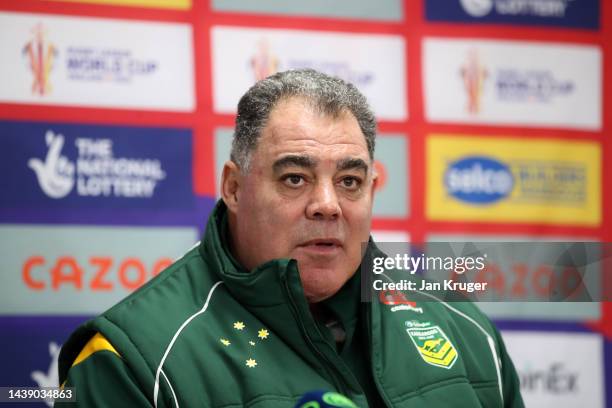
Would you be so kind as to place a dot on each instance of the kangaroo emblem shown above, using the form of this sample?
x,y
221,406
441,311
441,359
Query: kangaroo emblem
x,y
429,345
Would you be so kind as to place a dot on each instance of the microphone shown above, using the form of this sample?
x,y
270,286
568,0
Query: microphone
x,y
324,399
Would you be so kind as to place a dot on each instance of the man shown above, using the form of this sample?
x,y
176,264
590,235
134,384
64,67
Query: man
x,y
267,307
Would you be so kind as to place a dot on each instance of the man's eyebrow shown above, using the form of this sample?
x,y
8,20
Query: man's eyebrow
x,y
294,160
352,164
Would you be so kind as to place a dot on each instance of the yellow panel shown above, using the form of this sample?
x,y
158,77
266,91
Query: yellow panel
x,y
95,344
554,181
168,4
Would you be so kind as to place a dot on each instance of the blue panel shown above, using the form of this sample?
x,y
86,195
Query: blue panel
x,y
541,325
29,349
560,13
70,172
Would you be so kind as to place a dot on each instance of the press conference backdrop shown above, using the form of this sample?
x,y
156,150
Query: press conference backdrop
x,y
116,118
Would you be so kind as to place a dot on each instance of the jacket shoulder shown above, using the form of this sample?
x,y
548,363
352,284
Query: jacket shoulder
x,y
141,325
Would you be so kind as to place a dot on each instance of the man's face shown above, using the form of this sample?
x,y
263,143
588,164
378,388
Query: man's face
x,y
307,196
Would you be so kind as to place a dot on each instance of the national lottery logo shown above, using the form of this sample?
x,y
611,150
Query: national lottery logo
x,y
477,8
96,172
51,377
55,174
535,8
41,55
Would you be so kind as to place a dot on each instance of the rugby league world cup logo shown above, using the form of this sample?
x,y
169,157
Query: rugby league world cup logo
x,y
40,54
473,74
264,63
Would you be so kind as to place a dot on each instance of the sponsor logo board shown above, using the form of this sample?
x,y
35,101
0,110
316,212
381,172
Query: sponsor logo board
x,y
82,270
512,180
94,62
387,10
66,166
166,4
560,13
558,370
380,73
512,83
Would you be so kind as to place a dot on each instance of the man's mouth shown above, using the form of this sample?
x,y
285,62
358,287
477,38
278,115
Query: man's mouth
x,y
323,242
322,246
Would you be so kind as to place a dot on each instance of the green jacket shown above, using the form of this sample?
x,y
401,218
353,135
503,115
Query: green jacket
x,y
205,333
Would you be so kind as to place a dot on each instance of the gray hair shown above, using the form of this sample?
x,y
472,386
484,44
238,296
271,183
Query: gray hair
x,y
326,94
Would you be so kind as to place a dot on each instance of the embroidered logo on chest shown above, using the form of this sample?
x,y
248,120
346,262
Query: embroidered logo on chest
x,y
433,345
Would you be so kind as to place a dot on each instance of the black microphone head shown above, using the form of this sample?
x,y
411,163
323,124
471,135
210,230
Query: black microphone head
x,y
324,399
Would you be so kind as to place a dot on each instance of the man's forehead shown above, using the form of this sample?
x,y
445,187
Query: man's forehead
x,y
310,130
286,134
295,129
307,152
314,151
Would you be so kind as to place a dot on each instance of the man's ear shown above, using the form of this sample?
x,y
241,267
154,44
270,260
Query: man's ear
x,y
230,185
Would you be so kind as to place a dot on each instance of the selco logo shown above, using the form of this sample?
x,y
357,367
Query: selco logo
x,y
478,180
98,274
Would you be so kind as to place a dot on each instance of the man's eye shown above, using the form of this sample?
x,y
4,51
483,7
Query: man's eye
x,y
351,183
293,180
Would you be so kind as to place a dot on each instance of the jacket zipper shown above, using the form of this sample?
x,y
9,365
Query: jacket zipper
x,y
328,366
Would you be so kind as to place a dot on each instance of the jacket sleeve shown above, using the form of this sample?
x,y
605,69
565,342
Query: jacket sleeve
x,y
510,381
104,380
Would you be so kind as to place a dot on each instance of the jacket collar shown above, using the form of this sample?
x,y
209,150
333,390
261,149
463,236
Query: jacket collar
x,y
273,293
262,286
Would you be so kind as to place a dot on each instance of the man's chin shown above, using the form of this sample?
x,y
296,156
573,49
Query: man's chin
x,y
322,283
318,296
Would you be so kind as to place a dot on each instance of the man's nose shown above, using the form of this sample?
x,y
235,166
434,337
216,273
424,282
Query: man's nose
x,y
324,202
